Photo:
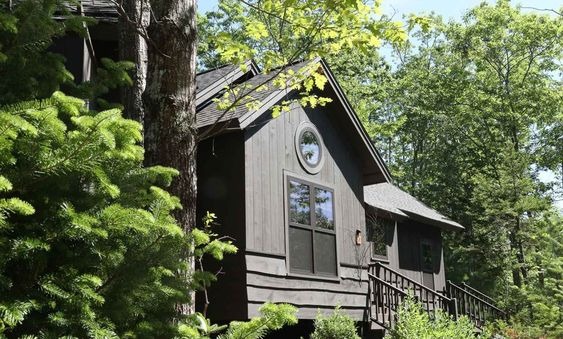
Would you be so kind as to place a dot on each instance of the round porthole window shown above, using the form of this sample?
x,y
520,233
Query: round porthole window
x,y
309,147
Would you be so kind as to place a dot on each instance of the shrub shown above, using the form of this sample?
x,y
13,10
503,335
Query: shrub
x,y
335,326
413,322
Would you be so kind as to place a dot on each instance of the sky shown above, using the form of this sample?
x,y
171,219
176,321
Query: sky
x,y
453,9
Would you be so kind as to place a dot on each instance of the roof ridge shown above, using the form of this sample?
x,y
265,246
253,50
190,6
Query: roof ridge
x,y
213,69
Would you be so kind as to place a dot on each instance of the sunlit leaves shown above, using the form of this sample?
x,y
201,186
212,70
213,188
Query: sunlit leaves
x,y
85,229
277,33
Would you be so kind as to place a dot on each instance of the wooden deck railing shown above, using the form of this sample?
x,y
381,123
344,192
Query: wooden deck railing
x,y
477,306
478,293
389,288
385,300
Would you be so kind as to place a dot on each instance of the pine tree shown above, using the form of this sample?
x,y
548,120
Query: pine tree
x,y
88,244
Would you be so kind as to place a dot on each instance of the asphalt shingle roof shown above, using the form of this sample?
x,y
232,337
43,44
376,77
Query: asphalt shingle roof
x,y
392,199
209,77
211,114
103,10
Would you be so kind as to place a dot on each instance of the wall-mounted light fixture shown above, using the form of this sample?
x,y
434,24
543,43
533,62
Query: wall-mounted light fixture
x,y
358,237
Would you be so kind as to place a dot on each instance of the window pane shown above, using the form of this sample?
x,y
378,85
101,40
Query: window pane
x,y
377,232
299,209
310,148
300,249
325,253
426,255
323,209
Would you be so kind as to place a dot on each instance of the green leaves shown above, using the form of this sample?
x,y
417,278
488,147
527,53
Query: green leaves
x,y
273,317
88,245
336,325
13,313
413,322
278,33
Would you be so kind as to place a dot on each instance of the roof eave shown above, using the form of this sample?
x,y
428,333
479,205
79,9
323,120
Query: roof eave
x,y
210,91
374,154
444,224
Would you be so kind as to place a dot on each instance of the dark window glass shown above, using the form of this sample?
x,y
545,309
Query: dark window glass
x,y
301,249
426,257
378,232
299,203
312,236
324,216
325,253
310,147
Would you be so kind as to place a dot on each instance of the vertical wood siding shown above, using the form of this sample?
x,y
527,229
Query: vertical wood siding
x,y
269,156
270,152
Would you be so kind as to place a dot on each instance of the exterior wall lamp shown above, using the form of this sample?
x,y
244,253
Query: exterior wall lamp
x,y
358,238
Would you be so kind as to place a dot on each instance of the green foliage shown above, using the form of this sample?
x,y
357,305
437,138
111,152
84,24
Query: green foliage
x,y
29,69
273,317
335,326
206,243
537,305
197,326
88,244
414,322
278,33
466,121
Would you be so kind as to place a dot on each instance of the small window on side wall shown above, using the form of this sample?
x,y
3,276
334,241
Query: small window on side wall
x,y
379,232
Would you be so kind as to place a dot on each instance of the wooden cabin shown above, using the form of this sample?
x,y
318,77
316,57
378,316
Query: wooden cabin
x,y
308,201
311,204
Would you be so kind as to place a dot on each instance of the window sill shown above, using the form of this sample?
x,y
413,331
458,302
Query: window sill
x,y
380,259
313,277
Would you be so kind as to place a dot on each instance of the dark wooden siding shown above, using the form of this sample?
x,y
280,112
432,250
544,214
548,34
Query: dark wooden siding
x,y
270,154
76,54
220,170
405,256
267,280
269,157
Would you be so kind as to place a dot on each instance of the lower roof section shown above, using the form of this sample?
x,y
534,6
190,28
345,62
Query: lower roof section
x,y
389,198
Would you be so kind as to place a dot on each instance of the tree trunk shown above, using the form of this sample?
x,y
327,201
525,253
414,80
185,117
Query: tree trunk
x,y
516,278
169,102
133,48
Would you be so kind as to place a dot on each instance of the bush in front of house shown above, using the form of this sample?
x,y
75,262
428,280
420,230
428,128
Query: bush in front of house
x,y
413,322
335,326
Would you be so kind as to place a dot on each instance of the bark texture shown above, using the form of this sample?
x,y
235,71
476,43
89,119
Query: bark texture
x,y
169,102
133,47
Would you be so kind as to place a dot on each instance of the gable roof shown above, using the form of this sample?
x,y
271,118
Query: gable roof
x,y
241,116
211,82
211,114
390,198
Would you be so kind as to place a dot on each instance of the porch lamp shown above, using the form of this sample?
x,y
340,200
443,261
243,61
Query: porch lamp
x,y
358,238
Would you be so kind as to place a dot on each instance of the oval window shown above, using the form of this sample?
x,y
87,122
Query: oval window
x,y
309,147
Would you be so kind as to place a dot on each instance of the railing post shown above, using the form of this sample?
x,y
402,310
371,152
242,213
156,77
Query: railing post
x,y
452,308
377,268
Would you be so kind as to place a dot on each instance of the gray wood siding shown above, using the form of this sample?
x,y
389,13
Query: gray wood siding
x,y
404,255
267,280
270,154
270,157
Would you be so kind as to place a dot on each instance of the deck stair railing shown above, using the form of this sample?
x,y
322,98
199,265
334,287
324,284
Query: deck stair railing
x,y
385,300
389,288
478,307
